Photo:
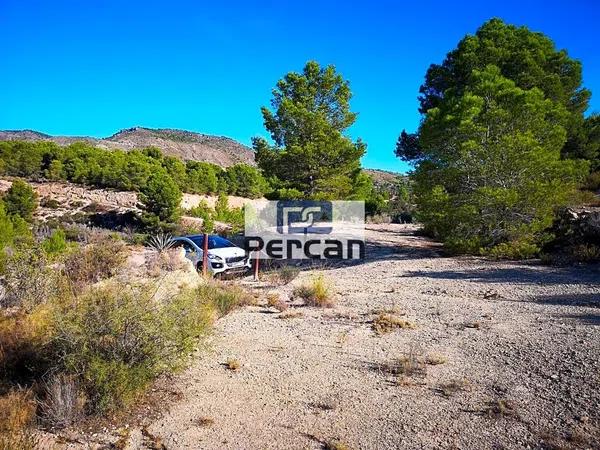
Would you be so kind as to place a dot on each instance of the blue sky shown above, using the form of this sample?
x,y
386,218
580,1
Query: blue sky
x,y
94,67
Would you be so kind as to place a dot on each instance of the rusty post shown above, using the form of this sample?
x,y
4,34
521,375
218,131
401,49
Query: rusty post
x,y
205,255
256,264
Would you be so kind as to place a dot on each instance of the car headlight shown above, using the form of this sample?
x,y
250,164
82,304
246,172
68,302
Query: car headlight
x,y
214,257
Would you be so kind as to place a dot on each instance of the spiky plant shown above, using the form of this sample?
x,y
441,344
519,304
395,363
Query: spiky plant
x,y
161,242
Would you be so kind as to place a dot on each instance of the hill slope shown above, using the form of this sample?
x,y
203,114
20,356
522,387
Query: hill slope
x,y
219,150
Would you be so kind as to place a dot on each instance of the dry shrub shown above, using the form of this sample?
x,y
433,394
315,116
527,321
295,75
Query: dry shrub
x,y
24,342
274,301
385,323
205,421
224,297
317,292
452,387
284,275
28,281
17,414
94,262
335,445
408,365
233,364
294,314
435,359
168,260
64,401
502,408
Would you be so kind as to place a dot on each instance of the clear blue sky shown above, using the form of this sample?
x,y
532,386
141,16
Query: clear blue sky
x,y
94,67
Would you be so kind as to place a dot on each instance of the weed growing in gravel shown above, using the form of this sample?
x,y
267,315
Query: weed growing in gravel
x,y
385,323
205,421
273,301
502,408
294,314
335,445
284,275
453,387
408,365
233,364
317,292
435,359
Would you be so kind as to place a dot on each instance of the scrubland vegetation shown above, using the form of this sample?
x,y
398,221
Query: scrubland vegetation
x,y
74,339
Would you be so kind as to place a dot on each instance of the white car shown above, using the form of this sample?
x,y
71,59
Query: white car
x,y
223,256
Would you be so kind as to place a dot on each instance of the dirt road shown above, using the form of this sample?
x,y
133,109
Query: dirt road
x,y
516,347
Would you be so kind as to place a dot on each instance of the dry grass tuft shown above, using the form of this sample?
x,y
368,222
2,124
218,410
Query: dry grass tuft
x,y
291,314
274,301
317,292
502,408
335,445
205,421
233,364
64,401
408,365
385,323
454,387
284,275
17,413
435,359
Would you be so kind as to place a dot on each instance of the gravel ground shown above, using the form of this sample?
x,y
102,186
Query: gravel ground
x,y
520,343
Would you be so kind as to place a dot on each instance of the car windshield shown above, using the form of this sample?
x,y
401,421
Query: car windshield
x,y
213,242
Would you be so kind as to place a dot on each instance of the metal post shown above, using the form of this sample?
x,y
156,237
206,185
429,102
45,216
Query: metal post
x,y
205,255
256,264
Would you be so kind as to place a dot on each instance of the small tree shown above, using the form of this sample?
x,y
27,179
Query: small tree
x,y
162,197
21,200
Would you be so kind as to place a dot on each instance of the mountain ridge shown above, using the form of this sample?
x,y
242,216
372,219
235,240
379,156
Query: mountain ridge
x,y
187,145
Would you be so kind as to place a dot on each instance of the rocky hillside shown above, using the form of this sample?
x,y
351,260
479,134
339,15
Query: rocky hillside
x,y
184,144
384,179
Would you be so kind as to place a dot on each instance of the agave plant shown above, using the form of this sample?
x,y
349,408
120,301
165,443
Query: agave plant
x,y
161,242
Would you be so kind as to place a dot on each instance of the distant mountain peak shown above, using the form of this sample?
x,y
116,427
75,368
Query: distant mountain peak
x,y
187,145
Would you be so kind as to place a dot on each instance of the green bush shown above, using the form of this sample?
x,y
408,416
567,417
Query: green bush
x,y
55,244
118,338
21,200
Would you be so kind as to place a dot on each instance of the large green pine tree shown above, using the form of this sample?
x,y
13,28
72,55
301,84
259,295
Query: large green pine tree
x,y
312,156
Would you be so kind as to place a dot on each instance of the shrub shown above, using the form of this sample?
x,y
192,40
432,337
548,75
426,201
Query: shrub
x,y
13,229
514,250
94,262
55,244
21,200
224,298
24,349
317,292
118,338
165,261
28,281
17,412
285,275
